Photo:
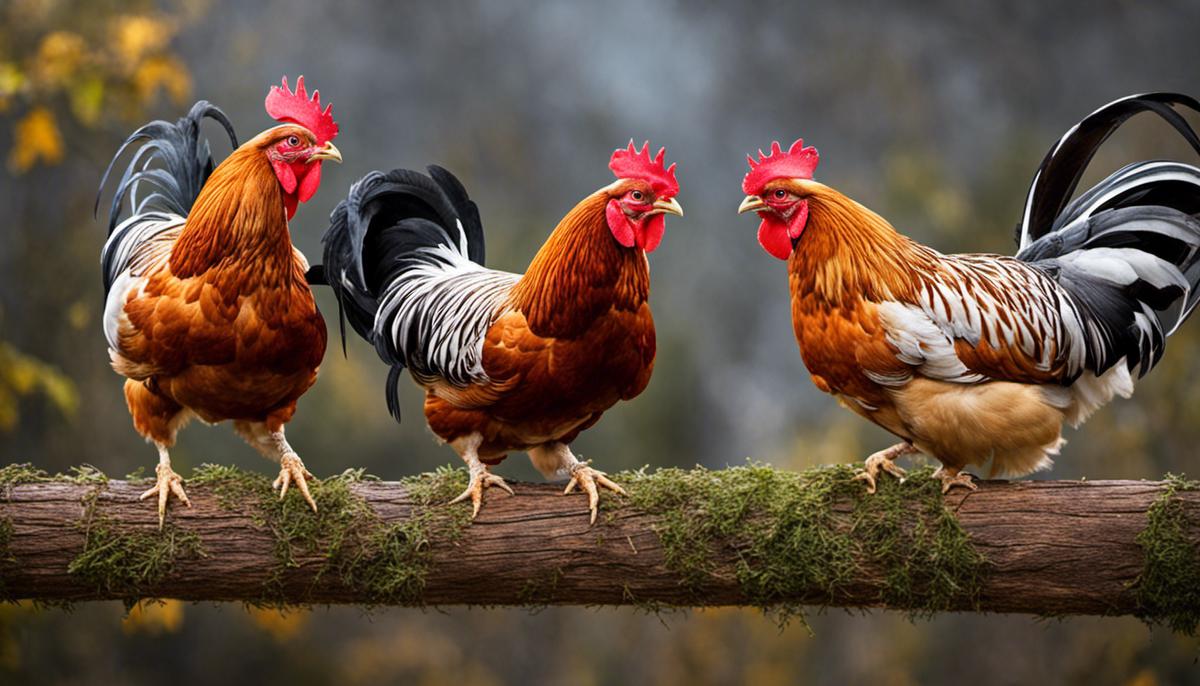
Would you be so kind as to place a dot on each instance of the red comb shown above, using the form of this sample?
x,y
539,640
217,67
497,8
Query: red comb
x,y
798,162
632,163
295,107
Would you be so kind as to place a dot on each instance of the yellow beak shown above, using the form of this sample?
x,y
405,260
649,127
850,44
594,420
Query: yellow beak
x,y
668,206
329,152
752,203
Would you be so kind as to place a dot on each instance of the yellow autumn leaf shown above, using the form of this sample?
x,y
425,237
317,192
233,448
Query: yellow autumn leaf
x,y
154,617
282,625
21,375
87,100
12,82
8,410
59,57
36,138
79,315
136,36
1143,678
162,73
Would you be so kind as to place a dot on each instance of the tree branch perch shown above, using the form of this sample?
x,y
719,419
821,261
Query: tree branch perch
x,y
1044,547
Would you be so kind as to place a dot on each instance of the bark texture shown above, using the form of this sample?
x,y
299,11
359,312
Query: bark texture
x,y
1052,547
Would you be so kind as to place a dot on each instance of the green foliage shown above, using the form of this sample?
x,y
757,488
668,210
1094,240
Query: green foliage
x,y
1168,589
66,67
791,533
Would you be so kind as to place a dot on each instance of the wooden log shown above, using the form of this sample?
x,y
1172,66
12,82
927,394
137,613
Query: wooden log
x,y
1051,547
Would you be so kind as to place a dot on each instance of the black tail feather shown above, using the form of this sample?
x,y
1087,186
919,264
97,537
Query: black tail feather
x,y
1060,171
373,235
185,157
393,391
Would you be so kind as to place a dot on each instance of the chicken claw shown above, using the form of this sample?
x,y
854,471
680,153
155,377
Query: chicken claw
x,y
952,478
885,460
586,478
481,478
168,482
292,470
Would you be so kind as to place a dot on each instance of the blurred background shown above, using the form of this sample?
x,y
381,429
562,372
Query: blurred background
x,y
935,114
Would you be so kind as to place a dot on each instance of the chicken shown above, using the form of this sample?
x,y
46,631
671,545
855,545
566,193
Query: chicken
x,y
977,358
207,311
507,361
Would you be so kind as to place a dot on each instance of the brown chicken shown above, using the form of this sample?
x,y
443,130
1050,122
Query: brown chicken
x,y
974,359
507,361
207,311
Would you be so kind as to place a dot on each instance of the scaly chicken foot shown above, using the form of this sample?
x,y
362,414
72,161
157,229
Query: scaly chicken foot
x,y
168,482
588,479
273,445
481,478
293,471
954,477
884,460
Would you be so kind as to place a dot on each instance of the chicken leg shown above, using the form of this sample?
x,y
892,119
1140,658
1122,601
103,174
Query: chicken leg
x,y
953,476
168,482
468,449
884,460
555,459
274,446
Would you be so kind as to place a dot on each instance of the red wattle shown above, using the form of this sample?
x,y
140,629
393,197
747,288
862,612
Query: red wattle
x,y
650,233
287,177
796,226
310,182
619,224
290,201
773,237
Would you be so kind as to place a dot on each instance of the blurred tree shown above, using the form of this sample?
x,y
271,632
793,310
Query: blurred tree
x,y
65,68
22,375
67,65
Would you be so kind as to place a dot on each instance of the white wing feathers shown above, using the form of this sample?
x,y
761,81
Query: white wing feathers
x,y
982,300
139,246
437,314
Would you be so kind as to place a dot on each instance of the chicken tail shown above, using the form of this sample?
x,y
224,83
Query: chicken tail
x,y
173,161
1127,251
185,158
391,226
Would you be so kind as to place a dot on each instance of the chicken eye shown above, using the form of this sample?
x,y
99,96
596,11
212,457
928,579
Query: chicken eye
x,y
637,195
780,194
293,141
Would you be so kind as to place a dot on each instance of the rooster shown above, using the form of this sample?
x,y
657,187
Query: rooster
x,y
507,361
207,311
978,358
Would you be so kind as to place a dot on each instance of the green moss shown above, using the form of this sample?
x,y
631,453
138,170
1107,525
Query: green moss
x,y
116,560
538,592
795,533
25,473
394,560
22,473
388,563
123,564
1168,589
